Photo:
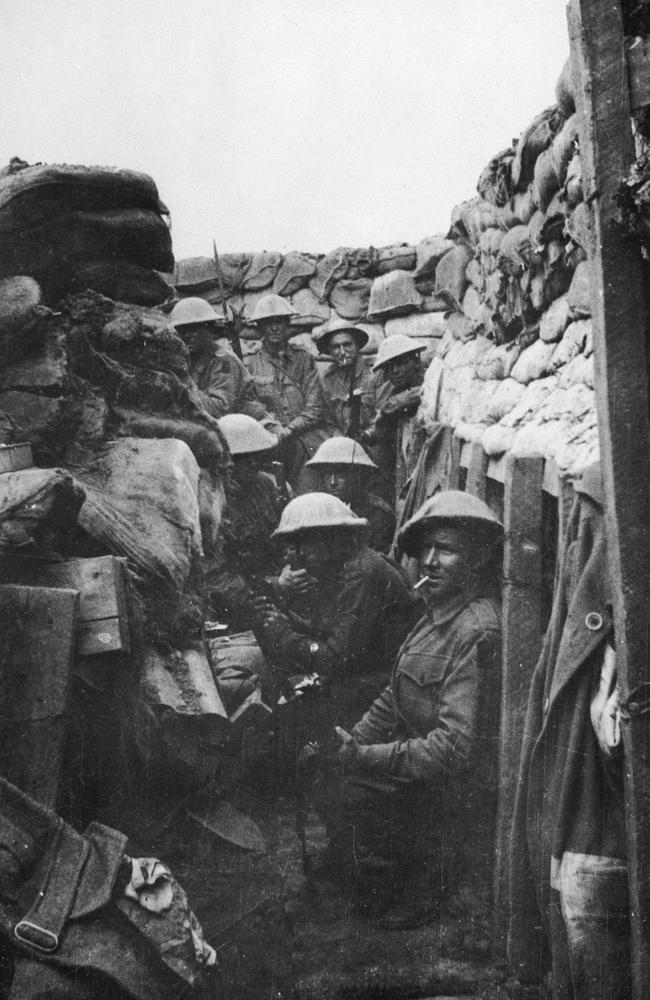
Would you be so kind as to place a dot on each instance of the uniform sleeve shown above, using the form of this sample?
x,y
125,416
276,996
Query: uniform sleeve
x,y
312,411
378,723
248,402
218,396
448,746
337,648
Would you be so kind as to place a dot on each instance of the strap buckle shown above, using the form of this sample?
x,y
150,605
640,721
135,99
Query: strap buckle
x,y
36,937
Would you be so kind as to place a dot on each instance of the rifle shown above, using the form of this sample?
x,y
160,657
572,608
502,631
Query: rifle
x,y
233,333
354,403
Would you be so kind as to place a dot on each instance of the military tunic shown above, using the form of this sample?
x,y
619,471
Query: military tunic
x,y
225,385
336,389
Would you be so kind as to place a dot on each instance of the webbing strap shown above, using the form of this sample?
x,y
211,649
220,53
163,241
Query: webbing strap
x,y
52,890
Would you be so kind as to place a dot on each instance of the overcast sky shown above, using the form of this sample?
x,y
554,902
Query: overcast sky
x,y
281,124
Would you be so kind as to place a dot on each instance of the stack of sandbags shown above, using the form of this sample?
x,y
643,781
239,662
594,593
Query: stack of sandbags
x,y
73,227
523,301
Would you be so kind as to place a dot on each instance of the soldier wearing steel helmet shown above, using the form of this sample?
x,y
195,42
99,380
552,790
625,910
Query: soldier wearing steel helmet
x,y
397,399
345,470
348,383
244,554
409,793
287,384
222,380
361,603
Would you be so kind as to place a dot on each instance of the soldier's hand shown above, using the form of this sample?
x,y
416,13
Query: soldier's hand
x,y
266,613
295,582
347,753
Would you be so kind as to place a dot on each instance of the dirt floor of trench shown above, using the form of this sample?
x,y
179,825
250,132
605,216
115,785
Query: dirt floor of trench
x,y
279,935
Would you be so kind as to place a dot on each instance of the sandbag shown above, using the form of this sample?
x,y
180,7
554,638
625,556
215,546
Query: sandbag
x,y
579,296
37,505
572,191
498,361
400,257
361,261
471,305
516,250
350,297
578,371
137,235
193,275
142,503
451,278
294,273
375,333
329,269
495,182
21,313
34,195
477,401
311,312
534,396
572,343
564,93
262,271
555,320
421,326
534,140
533,362
578,226
506,397
474,274
523,206
478,215
545,180
428,253
45,369
43,421
563,147
121,281
460,327
393,294
497,439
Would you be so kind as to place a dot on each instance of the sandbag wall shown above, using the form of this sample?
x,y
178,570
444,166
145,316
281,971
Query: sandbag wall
x,y
502,300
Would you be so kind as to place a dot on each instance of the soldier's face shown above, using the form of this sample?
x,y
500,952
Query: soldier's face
x,y
336,480
343,348
275,332
403,372
323,552
445,559
199,337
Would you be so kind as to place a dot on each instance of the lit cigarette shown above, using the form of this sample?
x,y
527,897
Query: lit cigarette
x,y
421,583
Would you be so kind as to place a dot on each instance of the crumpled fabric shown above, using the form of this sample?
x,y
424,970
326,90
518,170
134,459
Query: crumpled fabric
x,y
605,705
150,884
178,937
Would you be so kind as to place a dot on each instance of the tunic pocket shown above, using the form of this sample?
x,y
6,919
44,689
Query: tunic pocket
x,y
418,679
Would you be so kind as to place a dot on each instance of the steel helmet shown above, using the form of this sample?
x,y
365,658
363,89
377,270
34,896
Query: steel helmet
x,y
396,346
270,306
245,435
342,451
193,310
338,325
316,510
449,505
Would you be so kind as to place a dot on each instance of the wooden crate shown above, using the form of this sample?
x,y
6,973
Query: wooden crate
x,y
14,457
103,624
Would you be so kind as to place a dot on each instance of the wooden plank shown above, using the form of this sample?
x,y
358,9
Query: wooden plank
x,y
497,468
551,480
37,634
522,635
477,464
102,586
619,322
638,71
453,482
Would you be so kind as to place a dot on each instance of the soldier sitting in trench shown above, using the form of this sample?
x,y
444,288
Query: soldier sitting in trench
x,y
408,795
355,605
344,469
223,383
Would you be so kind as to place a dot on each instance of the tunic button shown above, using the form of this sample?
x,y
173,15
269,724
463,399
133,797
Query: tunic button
x,y
594,621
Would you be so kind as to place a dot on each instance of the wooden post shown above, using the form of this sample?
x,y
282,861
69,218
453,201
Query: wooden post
x,y
522,634
37,637
454,463
476,471
619,325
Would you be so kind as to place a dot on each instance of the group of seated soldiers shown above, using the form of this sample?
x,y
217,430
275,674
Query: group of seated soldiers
x,y
410,674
